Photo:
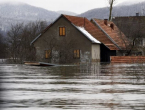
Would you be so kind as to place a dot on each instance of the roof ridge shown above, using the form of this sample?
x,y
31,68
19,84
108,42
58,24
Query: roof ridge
x,y
73,16
103,20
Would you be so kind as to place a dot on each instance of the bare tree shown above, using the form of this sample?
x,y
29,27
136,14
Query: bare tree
x,y
3,47
134,30
111,2
19,38
14,40
30,31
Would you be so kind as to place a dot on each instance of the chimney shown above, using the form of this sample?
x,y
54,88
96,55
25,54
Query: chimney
x,y
105,21
112,26
137,14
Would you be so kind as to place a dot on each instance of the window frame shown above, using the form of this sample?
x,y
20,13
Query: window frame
x,y
76,54
47,54
62,31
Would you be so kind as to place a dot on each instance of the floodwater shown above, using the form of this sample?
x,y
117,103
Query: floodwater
x,y
85,87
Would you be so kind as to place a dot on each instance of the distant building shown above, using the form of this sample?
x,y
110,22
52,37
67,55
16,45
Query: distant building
x,y
71,39
134,29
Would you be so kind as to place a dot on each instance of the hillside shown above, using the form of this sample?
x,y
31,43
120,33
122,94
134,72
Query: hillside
x,y
25,11
17,12
118,10
67,13
12,13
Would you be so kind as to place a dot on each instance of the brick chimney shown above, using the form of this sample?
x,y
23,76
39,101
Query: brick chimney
x,y
112,26
105,21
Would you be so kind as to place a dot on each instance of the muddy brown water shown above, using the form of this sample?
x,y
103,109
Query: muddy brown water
x,y
84,87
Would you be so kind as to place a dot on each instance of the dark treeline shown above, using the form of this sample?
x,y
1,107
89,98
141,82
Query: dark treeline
x,y
16,45
3,46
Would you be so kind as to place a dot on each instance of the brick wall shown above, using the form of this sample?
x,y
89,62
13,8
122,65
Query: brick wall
x,y
127,59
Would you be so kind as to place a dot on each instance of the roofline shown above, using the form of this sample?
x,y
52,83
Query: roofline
x,y
126,16
106,34
45,31
85,34
78,29
54,22
35,39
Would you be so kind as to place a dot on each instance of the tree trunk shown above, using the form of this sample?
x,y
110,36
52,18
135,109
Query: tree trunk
x,y
111,7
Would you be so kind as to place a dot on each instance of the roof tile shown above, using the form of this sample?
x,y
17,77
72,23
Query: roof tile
x,y
93,30
116,35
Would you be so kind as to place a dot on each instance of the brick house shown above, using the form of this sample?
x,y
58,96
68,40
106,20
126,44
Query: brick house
x,y
71,39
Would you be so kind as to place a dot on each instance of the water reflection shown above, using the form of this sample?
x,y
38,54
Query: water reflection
x,y
84,87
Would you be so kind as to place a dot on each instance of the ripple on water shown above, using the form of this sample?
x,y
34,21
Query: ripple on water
x,y
91,87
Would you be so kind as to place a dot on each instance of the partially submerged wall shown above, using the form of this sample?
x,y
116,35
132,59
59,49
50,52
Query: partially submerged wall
x,y
95,52
127,59
73,40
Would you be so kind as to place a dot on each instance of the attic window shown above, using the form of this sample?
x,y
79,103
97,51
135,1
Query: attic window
x,y
61,31
112,26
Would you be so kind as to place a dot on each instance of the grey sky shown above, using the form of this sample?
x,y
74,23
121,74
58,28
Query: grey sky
x,y
77,6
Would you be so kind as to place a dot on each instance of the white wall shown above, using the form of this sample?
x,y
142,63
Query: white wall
x,y
95,52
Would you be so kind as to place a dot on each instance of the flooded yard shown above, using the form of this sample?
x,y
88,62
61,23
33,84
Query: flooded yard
x,y
84,87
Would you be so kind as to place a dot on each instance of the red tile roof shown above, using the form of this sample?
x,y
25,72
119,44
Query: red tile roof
x,y
93,30
115,34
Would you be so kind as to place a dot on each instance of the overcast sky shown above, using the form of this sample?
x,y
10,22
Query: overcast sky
x,y
77,6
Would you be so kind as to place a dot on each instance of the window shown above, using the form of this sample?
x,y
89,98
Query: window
x,y
61,31
47,53
76,53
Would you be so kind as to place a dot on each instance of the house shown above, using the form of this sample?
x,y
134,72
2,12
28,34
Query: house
x,y
115,40
67,40
133,27
71,39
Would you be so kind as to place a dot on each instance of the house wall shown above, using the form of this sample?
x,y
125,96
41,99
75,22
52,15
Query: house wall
x,y
95,52
143,41
74,39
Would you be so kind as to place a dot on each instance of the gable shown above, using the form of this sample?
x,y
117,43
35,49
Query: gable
x,y
73,33
84,32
